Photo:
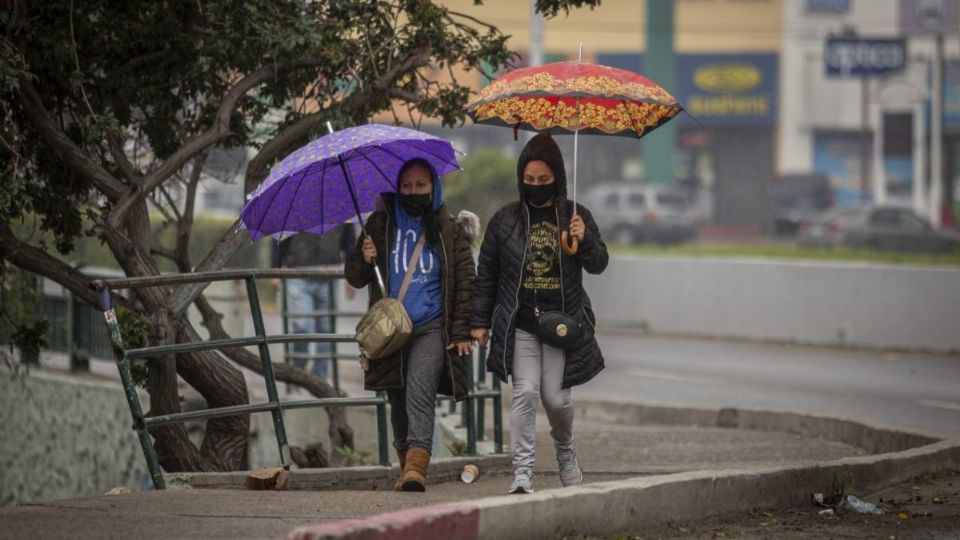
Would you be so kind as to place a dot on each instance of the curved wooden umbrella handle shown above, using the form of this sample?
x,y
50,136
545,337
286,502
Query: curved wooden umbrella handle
x,y
569,243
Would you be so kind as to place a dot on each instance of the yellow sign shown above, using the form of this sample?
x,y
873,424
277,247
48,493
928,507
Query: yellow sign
x,y
729,106
727,78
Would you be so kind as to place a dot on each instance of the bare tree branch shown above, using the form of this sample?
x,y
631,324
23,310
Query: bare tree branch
x,y
39,262
120,158
339,430
219,131
233,238
62,145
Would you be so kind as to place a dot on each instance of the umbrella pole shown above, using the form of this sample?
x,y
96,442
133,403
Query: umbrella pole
x,y
363,228
568,242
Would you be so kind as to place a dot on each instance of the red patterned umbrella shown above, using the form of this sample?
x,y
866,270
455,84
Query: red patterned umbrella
x,y
611,101
570,97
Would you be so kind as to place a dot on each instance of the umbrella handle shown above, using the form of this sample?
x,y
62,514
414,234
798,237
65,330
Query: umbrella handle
x,y
569,243
376,270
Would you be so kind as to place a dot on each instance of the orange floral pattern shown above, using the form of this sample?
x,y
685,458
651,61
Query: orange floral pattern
x,y
609,116
575,78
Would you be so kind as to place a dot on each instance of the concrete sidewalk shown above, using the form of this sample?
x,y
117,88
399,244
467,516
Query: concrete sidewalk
x,y
624,458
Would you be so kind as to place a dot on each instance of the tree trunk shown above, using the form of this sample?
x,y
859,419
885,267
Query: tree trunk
x,y
340,432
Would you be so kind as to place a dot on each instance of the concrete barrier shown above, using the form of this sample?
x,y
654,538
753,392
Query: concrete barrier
x,y
64,436
854,304
872,438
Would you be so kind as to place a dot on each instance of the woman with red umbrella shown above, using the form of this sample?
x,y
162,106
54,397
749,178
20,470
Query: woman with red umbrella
x,y
530,302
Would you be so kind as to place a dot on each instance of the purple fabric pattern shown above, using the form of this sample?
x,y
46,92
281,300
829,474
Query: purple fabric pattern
x,y
308,191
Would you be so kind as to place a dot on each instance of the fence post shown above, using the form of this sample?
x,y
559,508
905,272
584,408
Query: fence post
x,y
468,407
382,429
481,384
268,376
497,418
129,389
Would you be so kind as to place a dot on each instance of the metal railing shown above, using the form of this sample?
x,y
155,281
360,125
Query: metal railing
x,y
142,424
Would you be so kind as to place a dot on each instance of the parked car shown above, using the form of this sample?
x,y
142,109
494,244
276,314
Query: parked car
x,y
798,198
630,213
886,228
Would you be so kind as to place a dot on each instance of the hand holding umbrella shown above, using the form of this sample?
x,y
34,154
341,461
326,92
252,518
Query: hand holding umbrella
x,y
338,177
570,97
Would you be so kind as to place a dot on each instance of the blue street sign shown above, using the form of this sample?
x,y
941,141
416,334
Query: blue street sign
x,y
858,57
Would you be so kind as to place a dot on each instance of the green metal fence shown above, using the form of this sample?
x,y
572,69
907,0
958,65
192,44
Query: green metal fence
x,y
472,416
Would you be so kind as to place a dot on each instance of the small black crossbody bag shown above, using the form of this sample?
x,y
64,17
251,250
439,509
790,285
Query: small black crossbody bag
x,y
556,328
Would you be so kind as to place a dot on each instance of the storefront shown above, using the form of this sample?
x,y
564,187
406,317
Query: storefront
x,y
726,140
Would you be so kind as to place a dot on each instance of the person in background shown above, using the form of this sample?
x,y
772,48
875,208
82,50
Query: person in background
x,y
312,295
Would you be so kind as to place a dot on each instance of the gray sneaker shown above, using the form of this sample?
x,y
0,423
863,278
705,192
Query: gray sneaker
x,y
522,481
570,472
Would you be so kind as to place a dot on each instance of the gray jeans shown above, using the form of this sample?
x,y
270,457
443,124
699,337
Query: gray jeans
x,y
538,375
412,407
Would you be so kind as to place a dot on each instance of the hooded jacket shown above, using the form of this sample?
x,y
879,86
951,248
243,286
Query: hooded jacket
x,y
500,270
457,277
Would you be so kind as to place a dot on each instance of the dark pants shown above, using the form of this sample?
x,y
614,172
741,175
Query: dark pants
x,y
412,407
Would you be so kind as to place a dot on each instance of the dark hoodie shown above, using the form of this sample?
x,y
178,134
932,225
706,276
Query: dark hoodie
x,y
540,280
503,256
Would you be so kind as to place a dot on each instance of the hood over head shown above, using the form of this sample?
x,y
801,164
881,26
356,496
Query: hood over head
x,y
544,148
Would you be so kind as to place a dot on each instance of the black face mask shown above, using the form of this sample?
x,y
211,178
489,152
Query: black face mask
x,y
416,205
538,195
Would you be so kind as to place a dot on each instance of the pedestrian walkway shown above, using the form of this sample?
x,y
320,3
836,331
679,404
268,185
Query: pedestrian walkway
x,y
607,452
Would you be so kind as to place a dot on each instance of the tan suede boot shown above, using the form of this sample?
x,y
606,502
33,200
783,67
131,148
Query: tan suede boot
x,y
398,485
415,473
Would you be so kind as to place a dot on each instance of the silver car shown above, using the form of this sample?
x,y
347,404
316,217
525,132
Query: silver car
x,y
629,213
882,228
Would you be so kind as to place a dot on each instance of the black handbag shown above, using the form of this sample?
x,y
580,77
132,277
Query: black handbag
x,y
557,329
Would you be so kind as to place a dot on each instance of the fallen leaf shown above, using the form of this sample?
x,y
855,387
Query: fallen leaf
x,y
902,516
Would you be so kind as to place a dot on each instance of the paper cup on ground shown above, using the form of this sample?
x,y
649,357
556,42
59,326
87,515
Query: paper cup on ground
x,y
469,474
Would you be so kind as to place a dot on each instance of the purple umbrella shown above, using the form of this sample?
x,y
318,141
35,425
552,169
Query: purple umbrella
x,y
338,177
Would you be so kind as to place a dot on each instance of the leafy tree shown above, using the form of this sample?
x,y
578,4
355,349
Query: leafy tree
x,y
487,182
107,106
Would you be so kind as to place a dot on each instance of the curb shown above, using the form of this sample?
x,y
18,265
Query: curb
x,y
340,478
616,507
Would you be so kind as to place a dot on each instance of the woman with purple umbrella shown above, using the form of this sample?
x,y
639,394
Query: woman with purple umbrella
x,y
414,229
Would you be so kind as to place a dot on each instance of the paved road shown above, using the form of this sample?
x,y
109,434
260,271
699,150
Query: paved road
x,y
915,391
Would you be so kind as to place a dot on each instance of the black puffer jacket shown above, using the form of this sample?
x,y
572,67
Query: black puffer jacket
x,y
500,270
458,275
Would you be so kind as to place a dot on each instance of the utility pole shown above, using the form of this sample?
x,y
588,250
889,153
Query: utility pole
x,y
936,135
536,36
660,65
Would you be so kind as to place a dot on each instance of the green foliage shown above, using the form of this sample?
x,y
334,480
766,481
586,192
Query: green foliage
x,y
205,233
355,457
457,448
19,301
842,484
487,182
135,332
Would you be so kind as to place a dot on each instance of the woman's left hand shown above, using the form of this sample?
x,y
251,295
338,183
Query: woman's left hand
x,y
463,348
577,228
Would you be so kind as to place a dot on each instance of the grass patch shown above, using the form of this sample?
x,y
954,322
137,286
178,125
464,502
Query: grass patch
x,y
786,251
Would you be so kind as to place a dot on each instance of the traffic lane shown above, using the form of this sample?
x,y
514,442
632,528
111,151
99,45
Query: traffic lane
x,y
905,390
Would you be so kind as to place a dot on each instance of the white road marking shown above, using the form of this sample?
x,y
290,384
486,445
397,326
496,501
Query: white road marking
x,y
949,405
666,376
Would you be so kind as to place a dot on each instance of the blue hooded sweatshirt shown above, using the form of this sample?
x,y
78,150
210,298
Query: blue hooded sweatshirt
x,y
424,299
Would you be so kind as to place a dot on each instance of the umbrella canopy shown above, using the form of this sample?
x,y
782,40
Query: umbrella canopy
x,y
338,176
611,101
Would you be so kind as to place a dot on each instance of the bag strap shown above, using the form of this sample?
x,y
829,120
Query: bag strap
x,y
411,265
